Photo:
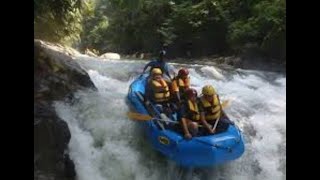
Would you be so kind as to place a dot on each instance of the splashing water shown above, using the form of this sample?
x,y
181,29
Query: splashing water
x,y
106,145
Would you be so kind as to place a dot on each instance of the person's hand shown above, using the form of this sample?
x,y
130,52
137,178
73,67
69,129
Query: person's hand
x,y
212,131
188,136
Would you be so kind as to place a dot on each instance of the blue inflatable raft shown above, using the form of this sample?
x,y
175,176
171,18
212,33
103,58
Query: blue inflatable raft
x,y
200,151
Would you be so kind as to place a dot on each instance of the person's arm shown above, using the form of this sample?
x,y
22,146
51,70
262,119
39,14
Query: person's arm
x,y
168,74
186,132
147,65
168,68
204,122
148,93
178,97
147,101
184,125
175,90
203,119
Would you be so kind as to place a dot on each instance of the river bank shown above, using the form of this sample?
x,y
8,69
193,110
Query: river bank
x,y
252,63
243,62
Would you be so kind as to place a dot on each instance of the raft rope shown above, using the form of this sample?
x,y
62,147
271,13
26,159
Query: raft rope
x,y
229,149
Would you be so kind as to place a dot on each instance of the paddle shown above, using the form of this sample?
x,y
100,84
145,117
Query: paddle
x,y
138,116
144,117
221,106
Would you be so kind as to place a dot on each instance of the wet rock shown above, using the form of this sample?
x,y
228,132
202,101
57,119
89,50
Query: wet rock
x,y
56,73
57,76
51,138
110,56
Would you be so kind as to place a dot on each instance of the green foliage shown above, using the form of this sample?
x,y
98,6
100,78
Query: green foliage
x,y
132,25
94,26
200,24
264,26
204,26
57,20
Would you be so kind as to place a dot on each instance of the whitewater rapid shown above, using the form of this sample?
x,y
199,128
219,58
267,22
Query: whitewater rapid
x,y
106,145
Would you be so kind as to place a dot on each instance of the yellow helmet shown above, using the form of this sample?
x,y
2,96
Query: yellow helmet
x,y
208,90
156,71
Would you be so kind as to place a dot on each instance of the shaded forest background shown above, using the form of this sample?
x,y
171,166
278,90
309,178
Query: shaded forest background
x,y
187,28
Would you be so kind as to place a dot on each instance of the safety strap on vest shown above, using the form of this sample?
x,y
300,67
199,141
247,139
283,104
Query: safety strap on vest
x,y
193,108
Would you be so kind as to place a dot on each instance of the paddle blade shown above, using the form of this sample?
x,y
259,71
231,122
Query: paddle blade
x,y
225,104
138,116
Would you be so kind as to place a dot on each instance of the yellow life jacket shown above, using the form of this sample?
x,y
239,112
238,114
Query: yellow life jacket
x,y
160,90
212,111
180,85
193,110
184,83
